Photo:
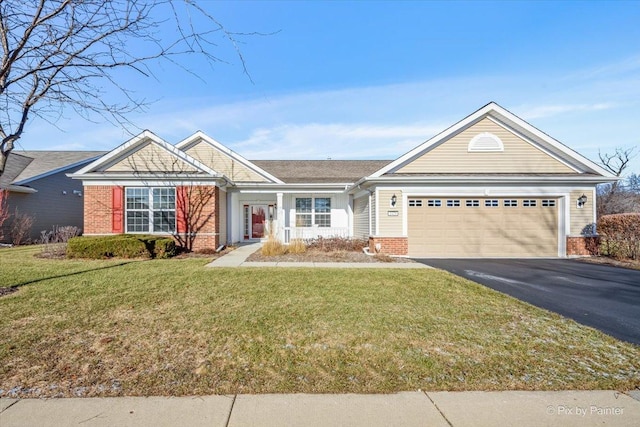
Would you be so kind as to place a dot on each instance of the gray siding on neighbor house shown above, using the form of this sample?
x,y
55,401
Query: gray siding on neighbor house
x,y
49,206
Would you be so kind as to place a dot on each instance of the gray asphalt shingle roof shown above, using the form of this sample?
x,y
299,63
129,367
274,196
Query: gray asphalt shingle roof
x,y
22,165
320,171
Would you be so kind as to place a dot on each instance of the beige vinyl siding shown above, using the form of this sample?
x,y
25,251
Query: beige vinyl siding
x,y
222,212
581,218
389,225
151,158
518,156
361,217
222,163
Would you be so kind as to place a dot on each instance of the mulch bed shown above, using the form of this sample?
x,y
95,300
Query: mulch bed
x,y
7,291
314,255
634,265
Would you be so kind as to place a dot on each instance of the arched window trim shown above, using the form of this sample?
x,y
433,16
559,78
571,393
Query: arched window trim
x,y
473,144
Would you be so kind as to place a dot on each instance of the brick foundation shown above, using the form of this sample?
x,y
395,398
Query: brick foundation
x,y
582,245
389,245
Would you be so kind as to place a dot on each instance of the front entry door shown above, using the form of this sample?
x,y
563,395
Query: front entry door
x,y
258,218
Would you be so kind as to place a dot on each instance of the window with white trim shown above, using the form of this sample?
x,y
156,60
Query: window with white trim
x,y
434,203
529,203
550,203
491,203
453,203
472,203
150,209
415,203
313,211
510,203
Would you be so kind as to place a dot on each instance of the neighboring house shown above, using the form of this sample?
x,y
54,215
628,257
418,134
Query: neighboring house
x,y
39,187
491,185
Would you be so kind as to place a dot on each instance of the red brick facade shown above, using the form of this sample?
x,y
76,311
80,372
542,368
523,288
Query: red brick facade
x,y
582,245
389,245
98,209
99,215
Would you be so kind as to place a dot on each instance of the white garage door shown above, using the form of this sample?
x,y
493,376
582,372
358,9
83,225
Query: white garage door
x,y
483,227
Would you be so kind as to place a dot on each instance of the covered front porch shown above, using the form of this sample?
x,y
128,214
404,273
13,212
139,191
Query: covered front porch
x,y
286,216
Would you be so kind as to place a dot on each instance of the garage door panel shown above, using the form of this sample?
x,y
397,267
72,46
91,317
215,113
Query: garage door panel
x,y
484,231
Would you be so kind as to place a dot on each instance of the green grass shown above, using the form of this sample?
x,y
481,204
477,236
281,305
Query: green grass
x,y
173,327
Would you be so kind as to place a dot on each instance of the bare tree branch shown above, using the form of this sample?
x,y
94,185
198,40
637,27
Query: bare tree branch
x,y
59,54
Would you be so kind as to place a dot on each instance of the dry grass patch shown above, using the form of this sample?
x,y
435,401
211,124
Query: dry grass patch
x,y
172,327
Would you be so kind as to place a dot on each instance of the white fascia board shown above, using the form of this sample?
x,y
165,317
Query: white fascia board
x,y
435,140
490,179
534,144
133,143
199,135
54,171
551,141
19,189
493,109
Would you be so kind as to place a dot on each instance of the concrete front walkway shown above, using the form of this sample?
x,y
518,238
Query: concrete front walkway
x,y
238,258
457,409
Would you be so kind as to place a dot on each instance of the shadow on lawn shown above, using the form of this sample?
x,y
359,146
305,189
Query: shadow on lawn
x,y
13,288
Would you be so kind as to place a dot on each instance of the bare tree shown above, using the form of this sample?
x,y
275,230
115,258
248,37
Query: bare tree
x,y
59,54
622,195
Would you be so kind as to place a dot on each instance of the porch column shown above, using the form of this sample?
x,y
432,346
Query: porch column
x,y
279,217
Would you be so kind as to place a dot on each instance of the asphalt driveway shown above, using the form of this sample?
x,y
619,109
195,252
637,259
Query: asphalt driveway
x,y
603,297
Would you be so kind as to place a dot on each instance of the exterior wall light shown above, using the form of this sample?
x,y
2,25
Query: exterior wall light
x,y
394,199
582,200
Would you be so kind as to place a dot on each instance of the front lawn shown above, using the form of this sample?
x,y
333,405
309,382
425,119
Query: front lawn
x,y
173,327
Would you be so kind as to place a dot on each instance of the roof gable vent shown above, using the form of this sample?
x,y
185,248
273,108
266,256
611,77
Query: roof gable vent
x,y
484,142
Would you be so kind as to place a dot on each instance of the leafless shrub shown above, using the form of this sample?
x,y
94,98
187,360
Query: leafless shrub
x,y
55,241
332,244
4,210
21,228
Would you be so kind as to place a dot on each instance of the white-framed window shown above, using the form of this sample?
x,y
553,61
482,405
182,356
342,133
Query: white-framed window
x,y
453,203
510,203
313,211
434,203
472,203
491,203
550,203
529,203
150,209
415,203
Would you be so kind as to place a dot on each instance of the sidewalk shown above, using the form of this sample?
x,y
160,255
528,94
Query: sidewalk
x,y
457,409
238,258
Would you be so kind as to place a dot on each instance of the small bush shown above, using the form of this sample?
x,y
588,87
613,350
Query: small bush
x,y
297,246
55,241
121,246
273,247
21,228
620,235
332,244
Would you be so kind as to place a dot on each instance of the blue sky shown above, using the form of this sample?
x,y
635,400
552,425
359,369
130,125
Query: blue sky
x,y
374,79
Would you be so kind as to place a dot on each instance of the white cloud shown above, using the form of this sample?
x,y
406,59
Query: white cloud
x,y
587,110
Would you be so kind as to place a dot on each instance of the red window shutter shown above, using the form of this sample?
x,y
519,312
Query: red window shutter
x,y
117,199
181,209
